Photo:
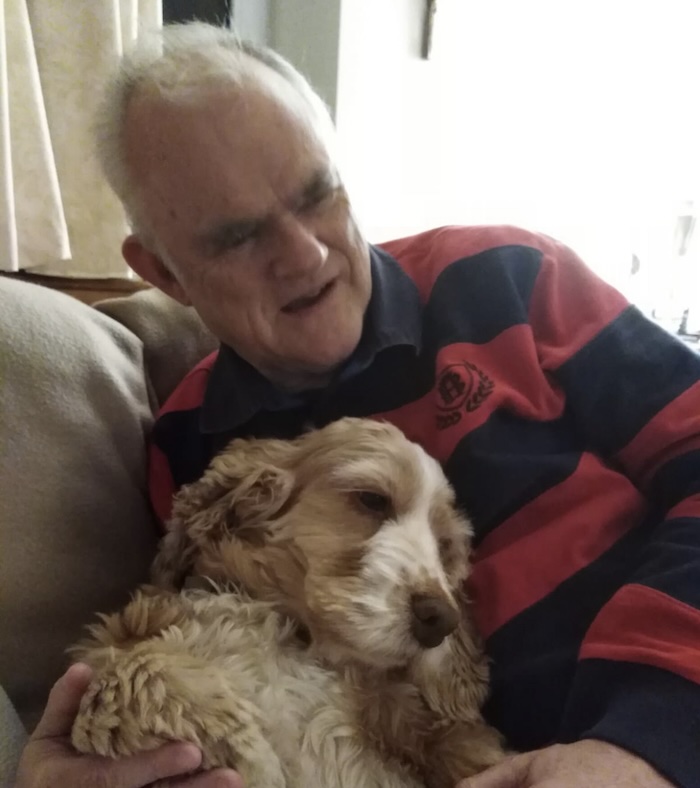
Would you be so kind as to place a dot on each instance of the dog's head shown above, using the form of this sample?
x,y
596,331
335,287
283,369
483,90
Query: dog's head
x,y
352,529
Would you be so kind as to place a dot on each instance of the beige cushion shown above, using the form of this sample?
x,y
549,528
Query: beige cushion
x,y
12,738
76,531
174,338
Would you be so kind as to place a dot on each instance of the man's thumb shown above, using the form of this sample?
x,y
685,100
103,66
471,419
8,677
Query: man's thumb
x,y
509,774
63,703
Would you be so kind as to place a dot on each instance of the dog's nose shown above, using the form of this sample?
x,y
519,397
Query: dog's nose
x,y
433,619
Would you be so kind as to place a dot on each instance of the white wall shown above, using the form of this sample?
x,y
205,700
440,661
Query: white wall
x,y
385,122
307,33
580,120
363,58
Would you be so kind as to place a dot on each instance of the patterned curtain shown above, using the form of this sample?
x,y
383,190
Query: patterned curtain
x,y
57,215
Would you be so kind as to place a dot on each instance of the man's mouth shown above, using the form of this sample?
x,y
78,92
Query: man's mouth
x,y
308,301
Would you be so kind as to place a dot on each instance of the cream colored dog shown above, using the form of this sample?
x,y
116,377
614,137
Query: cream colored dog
x,y
343,653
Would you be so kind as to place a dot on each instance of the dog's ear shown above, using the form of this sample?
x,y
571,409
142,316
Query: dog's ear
x,y
245,489
243,492
174,558
453,678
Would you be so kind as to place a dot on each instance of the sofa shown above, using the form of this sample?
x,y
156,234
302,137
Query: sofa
x,y
79,388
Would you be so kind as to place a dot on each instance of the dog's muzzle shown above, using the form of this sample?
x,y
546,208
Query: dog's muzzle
x,y
432,619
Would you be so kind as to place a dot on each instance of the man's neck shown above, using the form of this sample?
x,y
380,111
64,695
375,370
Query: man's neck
x,y
298,380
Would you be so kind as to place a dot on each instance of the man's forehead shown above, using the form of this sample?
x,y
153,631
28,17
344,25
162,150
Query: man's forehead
x,y
244,150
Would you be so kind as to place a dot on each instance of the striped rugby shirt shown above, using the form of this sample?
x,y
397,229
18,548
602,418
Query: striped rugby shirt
x,y
569,426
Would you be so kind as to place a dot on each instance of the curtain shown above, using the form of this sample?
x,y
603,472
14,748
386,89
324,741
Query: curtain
x,y
57,214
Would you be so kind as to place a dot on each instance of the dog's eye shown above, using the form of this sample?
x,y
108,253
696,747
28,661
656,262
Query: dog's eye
x,y
375,502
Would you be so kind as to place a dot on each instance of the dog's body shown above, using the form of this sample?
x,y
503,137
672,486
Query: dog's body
x,y
232,677
340,660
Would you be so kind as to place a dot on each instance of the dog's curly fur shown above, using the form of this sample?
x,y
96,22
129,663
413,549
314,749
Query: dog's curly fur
x,y
310,670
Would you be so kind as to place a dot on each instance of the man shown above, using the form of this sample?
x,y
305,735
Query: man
x,y
567,423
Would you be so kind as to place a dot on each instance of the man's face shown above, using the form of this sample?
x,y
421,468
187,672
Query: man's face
x,y
241,194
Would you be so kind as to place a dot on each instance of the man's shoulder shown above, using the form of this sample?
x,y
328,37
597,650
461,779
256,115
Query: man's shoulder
x,y
190,391
456,241
426,255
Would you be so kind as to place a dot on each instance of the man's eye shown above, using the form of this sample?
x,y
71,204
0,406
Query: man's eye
x,y
374,502
234,241
230,239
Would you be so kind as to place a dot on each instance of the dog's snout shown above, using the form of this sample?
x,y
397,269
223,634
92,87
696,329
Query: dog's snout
x,y
432,619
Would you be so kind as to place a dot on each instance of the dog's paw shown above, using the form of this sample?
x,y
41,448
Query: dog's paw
x,y
146,701
118,713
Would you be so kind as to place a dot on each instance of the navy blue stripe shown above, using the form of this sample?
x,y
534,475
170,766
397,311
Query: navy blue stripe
x,y
624,377
188,452
508,462
397,376
534,656
476,298
677,479
651,712
670,562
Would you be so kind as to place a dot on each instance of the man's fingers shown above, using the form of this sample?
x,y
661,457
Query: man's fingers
x,y
218,778
171,760
63,703
512,773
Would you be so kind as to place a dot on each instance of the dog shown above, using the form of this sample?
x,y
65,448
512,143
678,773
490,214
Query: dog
x,y
331,644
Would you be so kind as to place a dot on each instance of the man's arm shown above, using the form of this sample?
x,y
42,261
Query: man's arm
x,y
634,392
581,765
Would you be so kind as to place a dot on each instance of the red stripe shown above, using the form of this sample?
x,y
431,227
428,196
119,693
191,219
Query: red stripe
x,y
569,306
560,532
161,487
509,363
673,431
190,392
646,626
427,254
416,420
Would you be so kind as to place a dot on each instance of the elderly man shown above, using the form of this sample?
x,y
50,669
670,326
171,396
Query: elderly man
x,y
568,424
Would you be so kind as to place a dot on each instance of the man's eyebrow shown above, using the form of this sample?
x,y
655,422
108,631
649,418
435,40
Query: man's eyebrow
x,y
224,233
323,180
227,233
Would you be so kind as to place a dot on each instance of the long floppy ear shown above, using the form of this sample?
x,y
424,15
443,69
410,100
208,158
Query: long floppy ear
x,y
453,678
244,490
174,558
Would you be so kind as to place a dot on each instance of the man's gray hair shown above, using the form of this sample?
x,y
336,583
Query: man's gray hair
x,y
179,63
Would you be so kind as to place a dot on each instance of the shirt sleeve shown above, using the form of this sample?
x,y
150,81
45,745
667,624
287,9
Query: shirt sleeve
x,y
634,392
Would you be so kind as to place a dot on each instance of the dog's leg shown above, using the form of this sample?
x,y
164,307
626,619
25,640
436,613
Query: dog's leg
x,y
147,698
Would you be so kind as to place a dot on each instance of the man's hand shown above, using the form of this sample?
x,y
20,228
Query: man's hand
x,y
581,765
49,761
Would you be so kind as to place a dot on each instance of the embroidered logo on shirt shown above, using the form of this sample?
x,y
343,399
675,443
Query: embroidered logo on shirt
x,y
460,387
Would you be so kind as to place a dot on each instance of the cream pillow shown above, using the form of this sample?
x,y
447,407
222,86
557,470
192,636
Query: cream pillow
x,y
76,530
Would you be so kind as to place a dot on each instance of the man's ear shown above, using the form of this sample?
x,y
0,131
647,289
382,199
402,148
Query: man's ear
x,y
150,267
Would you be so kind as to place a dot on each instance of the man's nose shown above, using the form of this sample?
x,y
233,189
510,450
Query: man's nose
x,y
432,619
298,252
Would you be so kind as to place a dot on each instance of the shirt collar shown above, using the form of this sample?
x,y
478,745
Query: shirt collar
x,y
236,391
